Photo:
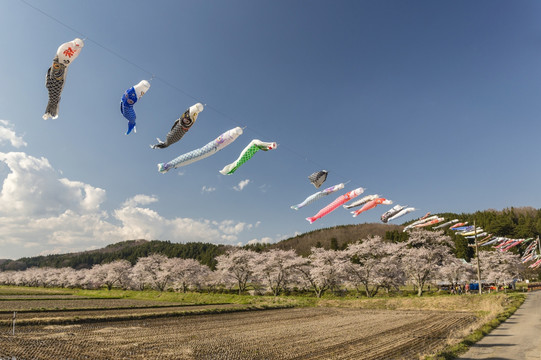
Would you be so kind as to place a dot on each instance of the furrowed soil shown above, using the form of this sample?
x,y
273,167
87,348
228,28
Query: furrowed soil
x,y
297,333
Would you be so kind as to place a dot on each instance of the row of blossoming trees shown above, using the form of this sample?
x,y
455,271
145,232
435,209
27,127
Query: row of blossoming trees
x,y
367,266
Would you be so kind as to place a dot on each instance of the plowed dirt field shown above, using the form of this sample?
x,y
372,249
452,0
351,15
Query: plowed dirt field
x,y
299,333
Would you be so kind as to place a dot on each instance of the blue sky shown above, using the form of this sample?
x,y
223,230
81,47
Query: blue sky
x,y
432,104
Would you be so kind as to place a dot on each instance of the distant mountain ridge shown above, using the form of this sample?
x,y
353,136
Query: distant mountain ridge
x,y
131,250
512,222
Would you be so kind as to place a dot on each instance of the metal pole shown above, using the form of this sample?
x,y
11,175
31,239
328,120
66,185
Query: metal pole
x,y
477,255
14,315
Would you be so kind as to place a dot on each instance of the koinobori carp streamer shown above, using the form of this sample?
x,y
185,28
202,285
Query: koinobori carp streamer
x,y
56,75
371,204
198,154
129,98
180,127
316,196
336,203
254,146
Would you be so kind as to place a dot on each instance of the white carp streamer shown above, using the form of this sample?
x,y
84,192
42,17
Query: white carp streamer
x,y
198,154
402,213
386,216
361,201
316,196
446,224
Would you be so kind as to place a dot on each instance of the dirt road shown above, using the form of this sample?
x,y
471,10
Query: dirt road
x,y
517,338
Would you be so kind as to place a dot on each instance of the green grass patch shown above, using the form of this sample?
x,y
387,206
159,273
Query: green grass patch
x,y
198,298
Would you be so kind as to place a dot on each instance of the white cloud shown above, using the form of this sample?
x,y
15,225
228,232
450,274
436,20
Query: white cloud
x,y
264,187
33,188
242,185
205,189
263,240
232,228
142,223
54,251
43,212
140,199
7,134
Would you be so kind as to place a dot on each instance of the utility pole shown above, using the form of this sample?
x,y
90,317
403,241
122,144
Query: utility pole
x,y
477,255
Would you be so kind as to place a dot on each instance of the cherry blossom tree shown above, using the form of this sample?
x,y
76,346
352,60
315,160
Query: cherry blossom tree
x,y
236,267
212,280
98,276
31,277
120,271
424,253
152,270
500,267
456,271
55,277
80,278
203,278
111,274
274,268
373,263
186,273
6,277
392,276
322,270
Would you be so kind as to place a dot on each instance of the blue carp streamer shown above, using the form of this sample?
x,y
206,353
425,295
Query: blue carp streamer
x,y
129,98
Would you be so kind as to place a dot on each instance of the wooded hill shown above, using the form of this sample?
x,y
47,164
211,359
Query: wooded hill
x,y
336,237
129,250
512,222
515,223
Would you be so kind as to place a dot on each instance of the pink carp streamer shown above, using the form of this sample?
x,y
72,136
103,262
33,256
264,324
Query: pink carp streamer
x,y
458,225
336,203
371,204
